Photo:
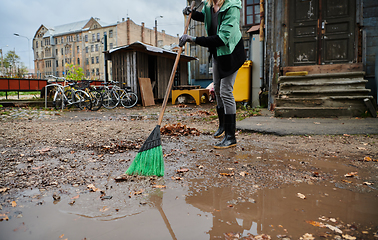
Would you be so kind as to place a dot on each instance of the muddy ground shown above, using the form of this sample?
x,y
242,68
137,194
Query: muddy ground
x,y
59,169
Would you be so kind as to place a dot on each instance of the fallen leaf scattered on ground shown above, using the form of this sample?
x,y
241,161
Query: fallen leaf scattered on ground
x,y
14,204
44,150
351,174
348,237
159,186
3,217
76,197
183,170
104,209
179,130
307,236
61,236
346,181
93,188
300,195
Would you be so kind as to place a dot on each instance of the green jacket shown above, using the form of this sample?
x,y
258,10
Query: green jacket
x,y
228,25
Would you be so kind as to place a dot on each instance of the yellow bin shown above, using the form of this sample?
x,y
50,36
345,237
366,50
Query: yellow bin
x,y
242,86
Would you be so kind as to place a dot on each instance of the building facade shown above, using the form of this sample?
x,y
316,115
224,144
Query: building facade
x,y
83,43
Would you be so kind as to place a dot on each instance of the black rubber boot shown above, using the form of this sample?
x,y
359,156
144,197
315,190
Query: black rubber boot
x,y
229,139
220,132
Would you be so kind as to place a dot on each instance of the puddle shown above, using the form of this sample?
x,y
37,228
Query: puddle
x,y
195,212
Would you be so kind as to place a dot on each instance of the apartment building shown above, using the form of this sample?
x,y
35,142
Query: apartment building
x,y
83,43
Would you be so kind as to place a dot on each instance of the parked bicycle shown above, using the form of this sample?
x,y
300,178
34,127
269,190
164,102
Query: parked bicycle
x,y
94,94
113,95
67,95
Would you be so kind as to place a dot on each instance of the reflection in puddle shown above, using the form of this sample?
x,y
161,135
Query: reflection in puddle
x,y
282,212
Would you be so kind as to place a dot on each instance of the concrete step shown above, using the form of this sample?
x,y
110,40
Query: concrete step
x,y
302,112
340,101
323,93
331,85
318,78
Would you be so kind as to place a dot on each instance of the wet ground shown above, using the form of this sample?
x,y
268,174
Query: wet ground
x,y
59,170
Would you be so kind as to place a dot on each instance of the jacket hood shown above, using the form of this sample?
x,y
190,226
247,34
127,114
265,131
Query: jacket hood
x,y
232,3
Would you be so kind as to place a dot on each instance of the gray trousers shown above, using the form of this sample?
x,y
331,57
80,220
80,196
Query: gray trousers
x,y
223,88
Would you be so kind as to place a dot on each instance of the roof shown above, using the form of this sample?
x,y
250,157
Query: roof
x,y
72,27
139,45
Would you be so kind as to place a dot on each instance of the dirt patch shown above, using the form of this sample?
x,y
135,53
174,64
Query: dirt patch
x,y
68,156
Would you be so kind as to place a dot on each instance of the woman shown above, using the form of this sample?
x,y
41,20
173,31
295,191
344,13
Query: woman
x,y
224,40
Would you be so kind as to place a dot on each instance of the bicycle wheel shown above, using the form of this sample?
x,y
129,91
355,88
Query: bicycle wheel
x,y
110,99
83,100
96,97
58,101
129,100
70,98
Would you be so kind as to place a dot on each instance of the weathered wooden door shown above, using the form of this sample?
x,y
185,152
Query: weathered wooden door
x,y
321,31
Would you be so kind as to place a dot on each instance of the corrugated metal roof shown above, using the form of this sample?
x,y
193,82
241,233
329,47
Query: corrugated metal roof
x,y
71,28
150,48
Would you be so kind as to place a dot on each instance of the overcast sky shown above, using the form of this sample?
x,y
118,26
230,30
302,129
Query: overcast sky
x,y
26,16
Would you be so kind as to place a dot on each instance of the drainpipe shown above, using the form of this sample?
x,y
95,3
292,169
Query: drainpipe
x,y
376,73
106,57
262,22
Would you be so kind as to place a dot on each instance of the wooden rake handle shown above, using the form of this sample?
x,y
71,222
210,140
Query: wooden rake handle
x,y
170,83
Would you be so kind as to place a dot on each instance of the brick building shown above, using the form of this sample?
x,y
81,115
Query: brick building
x,y
82,43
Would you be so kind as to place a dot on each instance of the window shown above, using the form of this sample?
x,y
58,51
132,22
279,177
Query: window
x,y
62,63
77,37
57,73
97,59
93,37
48,63
98,37
93,72
78,61
97,72
87,61
56,52
62,40
61,50
92,48
86,49
252,12
110,45
78,49
47,41
110,33
96,47
86,38
92,60
87,73
36,44
57,63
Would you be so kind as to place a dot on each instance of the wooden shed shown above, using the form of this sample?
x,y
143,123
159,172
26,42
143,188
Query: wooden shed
x,y
139,60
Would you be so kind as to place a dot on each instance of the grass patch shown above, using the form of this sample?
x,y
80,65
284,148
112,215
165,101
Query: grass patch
x,y
3,94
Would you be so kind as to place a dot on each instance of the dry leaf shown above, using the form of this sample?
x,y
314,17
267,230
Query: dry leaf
x,y
93,188
3,217
335,229
367,159
61,236
346,181
76,197
300,195
351,174
159,186
14,204
316,224
182,170
104,209
307,236
348,237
